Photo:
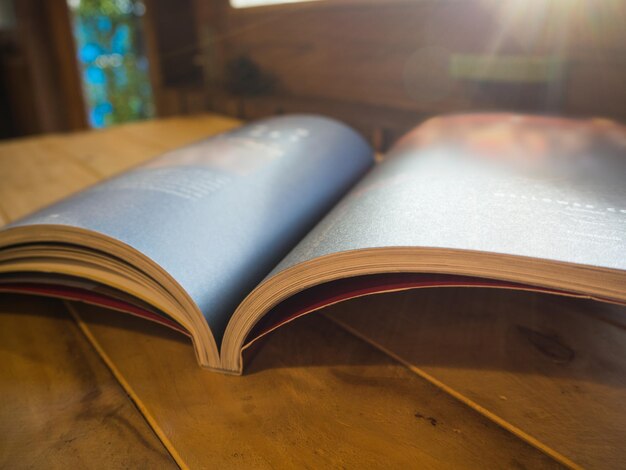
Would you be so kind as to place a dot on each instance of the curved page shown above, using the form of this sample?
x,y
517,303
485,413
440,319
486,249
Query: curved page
x,y
218,215
545,188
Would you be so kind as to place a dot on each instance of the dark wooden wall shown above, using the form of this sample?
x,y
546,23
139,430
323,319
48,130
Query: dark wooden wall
x,y
385,65
382,66
40,89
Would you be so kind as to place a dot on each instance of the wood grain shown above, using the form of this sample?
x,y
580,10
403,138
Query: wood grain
x,y
312,396
549,368
33,177
59,405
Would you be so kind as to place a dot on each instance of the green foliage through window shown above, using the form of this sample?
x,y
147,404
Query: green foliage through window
x,y
112,60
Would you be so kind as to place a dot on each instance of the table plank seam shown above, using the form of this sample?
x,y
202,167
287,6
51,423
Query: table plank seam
x,y
135,399
517,432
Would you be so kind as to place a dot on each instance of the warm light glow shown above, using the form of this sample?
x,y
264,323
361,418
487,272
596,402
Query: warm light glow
x,y
259,3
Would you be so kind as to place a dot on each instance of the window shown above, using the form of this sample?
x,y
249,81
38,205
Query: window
x,y
112,60
258,3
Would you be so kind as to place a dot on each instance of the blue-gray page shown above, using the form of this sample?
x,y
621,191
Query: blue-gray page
x,y
540,187
218,215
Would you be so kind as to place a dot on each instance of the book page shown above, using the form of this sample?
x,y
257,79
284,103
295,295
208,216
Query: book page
x,y
539,187
218,215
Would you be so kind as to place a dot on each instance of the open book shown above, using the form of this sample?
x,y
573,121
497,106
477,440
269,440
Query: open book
x,y
229,238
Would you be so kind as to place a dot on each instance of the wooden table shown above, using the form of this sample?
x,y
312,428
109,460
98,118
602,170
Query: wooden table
x,y
435,379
